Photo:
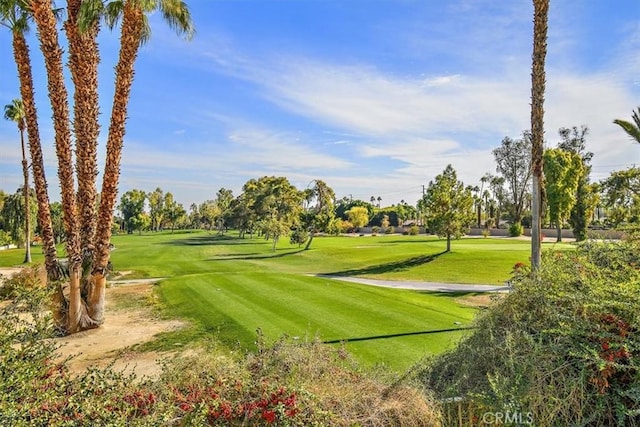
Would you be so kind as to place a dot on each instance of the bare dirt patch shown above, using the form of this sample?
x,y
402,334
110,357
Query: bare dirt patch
x,y
124,327
479,301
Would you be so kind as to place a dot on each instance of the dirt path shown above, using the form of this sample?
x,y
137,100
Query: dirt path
x,y
129,320
122,329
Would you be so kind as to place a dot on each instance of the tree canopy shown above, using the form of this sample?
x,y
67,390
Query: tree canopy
x,y
448,206
562,172
513,159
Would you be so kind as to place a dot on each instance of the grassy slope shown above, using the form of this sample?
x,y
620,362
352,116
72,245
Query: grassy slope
x,y
231,287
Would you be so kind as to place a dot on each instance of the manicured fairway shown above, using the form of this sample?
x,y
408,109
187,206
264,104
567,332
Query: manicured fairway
x,y
230,287
234,305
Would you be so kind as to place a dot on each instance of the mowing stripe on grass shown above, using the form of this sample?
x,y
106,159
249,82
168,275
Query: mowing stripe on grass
x,y
235,305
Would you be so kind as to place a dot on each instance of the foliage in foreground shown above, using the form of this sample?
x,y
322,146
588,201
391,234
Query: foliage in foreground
x,y
562,349
281,384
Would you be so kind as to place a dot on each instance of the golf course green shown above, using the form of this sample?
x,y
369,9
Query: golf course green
x,y
230,287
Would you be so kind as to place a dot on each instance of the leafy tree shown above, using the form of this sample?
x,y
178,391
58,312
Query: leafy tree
x,y
632,129
358,216
194,216
242,216
574,140
140,221
538,83
13,215
132,207
344,205
209,212
319,213
156,208
15,112
173,211
621,195
224,198
274,204
57,222
513,159
449,206
562,171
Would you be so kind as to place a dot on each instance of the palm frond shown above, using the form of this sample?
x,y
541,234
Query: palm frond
x,y
176,13
632,129
91,11
113,13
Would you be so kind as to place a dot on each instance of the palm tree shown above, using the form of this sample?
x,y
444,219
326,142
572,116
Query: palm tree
x,y
16,18
134,32
632,129
46,22
15,113
541,15
88,250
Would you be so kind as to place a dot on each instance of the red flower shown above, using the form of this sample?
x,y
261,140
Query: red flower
x,y
269,416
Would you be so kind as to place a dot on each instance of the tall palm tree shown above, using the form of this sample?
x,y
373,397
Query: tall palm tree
x,y
15,17
15,113
134,32
88,251
540,20
46,22
632,129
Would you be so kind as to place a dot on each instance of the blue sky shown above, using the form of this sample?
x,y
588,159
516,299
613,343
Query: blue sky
x,y
375,97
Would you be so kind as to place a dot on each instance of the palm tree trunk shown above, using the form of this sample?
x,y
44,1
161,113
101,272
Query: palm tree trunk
x,y
23,61
132,27
27,207
52,52
541,12
83,64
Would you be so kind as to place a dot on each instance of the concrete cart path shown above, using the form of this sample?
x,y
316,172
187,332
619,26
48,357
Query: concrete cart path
x,y
421,286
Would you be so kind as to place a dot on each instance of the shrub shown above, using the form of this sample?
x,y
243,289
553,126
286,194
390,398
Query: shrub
x,y
562,347
515,229
23,281
375,229
486,232
390,230
414,230
5,238
347,227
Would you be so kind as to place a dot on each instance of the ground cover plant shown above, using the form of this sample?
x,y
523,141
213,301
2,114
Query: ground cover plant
x,y
560,350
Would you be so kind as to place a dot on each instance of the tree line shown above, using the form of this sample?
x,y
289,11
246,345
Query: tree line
x,y
272,207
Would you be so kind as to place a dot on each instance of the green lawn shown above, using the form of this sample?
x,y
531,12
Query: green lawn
x,y
230,287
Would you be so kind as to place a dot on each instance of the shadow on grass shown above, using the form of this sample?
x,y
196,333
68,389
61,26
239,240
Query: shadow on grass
x,y
214,239
389,267
404,334
251,256
457,294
